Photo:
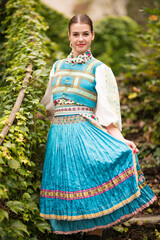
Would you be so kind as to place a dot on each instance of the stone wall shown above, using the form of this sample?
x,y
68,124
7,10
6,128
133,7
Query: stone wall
x,y
97,9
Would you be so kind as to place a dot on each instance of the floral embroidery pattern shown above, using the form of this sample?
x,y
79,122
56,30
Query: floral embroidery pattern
x,y
61,108
113,96
82,58
72,109
89,192
68,119
141,177
64,101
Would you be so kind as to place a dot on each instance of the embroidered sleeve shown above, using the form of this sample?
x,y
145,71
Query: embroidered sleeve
x,y
47,99
108,104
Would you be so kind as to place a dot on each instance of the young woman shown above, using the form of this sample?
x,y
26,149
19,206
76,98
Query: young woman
x,y
91,176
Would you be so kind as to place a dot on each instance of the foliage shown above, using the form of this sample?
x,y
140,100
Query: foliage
x,y
140,92
58,26
22,153
115,36
137,231
2,35
2,15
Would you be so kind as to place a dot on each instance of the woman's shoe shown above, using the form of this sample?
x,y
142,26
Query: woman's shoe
x,y
91,237
107,233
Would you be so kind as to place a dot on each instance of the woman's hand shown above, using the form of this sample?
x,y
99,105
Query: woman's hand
x,y
40,116
131,144
115,132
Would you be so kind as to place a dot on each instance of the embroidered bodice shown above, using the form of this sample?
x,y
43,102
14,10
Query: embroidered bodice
x,y
99,92
76,82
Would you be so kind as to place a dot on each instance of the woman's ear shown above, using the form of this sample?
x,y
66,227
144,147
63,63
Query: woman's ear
x,y
69,36
93,35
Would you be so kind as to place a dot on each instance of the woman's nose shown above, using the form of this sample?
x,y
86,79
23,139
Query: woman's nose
x,y
80,38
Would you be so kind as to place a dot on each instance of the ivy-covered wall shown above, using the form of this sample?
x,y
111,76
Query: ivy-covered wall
x,y
22,152
58,26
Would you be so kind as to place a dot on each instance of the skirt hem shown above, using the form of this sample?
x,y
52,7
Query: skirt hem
x,y
128,216
93,215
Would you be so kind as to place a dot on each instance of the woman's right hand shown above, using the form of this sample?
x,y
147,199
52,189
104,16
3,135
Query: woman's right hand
x,y
39,116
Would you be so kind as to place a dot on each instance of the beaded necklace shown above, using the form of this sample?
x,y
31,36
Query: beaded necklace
x,y
81,58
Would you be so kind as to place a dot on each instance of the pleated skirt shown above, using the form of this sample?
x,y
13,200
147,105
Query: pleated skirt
x,y
90,180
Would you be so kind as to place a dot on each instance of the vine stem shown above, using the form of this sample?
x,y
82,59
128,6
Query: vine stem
x,y
17,104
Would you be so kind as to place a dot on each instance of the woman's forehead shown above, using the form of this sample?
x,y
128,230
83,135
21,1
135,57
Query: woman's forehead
x,y
79,27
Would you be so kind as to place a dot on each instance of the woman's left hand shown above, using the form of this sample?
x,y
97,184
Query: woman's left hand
x,y
115,132
132,145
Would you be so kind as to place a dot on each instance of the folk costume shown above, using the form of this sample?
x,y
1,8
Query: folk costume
x,y
90,179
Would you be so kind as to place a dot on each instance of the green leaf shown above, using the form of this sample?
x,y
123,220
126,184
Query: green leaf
x,y
9,145
13,164
26,195
43,226
119,228
26,217
149,210
21,68
18,226
32,206
10,78
15,206
1,160
3,214
3,192
35,101
127,224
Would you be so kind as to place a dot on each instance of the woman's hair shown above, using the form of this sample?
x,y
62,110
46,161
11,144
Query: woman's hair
x,y
81,18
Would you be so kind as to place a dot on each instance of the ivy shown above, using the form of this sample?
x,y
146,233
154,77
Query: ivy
x,y
22,152
56,32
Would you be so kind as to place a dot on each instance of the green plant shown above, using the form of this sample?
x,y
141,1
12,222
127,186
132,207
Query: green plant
x,y
58,26
22,152
115,36
140,91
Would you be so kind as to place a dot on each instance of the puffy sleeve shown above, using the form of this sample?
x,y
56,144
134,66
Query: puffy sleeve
x,y
108,104
47,99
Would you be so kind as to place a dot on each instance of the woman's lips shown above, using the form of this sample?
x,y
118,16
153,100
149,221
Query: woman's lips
x,y
81,45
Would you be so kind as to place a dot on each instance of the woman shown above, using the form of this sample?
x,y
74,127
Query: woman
x,y
91,176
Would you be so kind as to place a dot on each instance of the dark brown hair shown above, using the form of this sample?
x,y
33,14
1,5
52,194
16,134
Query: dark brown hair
x,y
81,18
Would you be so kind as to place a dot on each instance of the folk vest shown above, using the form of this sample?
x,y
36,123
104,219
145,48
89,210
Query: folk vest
x,y
76,82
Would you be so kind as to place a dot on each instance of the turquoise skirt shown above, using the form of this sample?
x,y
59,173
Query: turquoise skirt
x,y
90,179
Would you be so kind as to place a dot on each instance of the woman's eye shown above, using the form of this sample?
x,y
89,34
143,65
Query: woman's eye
x,y
76,34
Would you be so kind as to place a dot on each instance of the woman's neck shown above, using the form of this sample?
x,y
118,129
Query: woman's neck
x,y
75,54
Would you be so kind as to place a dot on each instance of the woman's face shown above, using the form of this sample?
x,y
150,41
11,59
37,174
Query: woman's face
x,y
81,37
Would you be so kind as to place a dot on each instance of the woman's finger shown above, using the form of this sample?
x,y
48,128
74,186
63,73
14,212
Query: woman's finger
x,y
132,145
135,149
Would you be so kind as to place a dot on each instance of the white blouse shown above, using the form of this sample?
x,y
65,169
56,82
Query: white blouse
x,y
108,105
